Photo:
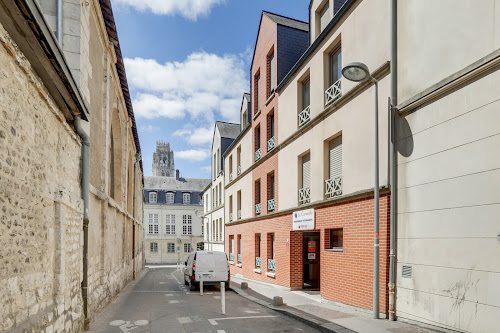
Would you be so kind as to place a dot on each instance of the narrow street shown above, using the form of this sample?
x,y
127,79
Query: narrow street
x,y
160,302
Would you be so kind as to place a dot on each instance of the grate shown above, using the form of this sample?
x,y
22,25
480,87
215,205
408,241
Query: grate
x,y
407,270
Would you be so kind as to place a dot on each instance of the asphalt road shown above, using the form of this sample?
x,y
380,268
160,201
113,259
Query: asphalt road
x,y
160,302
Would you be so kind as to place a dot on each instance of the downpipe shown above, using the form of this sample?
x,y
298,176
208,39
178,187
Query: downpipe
x,y
392,153
137,160
85,196
59,28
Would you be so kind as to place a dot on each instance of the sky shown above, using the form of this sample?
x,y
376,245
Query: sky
x,y
187,64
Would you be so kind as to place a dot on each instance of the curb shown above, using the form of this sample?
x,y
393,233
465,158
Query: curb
x,y
316,324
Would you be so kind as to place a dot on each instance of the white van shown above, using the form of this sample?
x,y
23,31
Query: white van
x,y
211,265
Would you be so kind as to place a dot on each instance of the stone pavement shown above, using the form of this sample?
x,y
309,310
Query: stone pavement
x,y
326,317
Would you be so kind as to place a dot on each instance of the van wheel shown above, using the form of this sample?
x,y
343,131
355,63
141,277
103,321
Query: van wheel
x,y
192,285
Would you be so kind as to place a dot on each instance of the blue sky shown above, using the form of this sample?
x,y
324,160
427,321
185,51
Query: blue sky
x,y
187,64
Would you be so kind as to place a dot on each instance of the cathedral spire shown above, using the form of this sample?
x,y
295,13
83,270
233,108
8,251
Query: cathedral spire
x,y
163,160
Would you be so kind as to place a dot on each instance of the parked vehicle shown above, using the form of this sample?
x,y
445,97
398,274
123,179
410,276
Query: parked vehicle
x,y
212,266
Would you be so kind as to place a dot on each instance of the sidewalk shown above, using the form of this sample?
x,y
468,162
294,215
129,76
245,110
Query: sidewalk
x,y
307,307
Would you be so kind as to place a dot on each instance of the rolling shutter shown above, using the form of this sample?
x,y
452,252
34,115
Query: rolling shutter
x,y
306,171
336,157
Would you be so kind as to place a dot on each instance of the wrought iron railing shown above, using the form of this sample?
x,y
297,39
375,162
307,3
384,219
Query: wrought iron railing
x,y
333,186
231,256
304,116
231,177
270,144
257,154
257,208
230,216
239,258
333,92
270,205
239,214
270,265
257,262
239,170
304,195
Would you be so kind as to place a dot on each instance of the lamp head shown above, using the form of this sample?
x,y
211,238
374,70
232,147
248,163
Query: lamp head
x,y
356,71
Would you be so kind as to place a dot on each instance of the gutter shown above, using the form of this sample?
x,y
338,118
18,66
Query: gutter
x,y
59,22
85,196
392,162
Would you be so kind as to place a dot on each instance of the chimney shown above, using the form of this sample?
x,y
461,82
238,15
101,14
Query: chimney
x,y
177,174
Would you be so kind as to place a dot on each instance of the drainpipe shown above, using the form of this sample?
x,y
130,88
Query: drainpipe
x,y
392,153
59,21
85,196
137,160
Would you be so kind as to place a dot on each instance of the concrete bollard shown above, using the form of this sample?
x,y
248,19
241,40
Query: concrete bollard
x,y
244,285
201,286
223,296
277,300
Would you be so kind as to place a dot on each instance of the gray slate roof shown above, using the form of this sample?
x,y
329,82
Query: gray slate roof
x,y
286,21
170,183
228,130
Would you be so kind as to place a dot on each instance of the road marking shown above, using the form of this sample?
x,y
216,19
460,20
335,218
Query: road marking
x,y
251,311
173,301
214,321
127,326
216,297
184,320
169,295
221,331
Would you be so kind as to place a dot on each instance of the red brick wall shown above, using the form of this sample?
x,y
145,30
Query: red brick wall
x,y
346,277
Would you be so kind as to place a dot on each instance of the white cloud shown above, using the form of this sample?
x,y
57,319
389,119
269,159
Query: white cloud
x,y
194,155
149,128
189,9
197,136
204,86
207,168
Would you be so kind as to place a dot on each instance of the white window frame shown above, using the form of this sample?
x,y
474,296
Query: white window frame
x,y
170,197
153,224
153,247
170,224
153,195
187,224
187,247
170,247
188,196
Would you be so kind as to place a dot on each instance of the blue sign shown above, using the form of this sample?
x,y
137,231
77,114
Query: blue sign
x,y
178,248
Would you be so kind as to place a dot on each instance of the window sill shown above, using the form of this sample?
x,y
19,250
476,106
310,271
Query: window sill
x,y
336,249
271,274
238,265
270,98
258,270
255,116
231,263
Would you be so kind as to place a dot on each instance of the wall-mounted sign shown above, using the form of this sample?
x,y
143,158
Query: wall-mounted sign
x,y
303,220
311,256
311,246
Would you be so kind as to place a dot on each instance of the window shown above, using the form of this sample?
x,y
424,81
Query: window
x,y
153,247
153,223
336,238
206,202
186,198
213,230
220,194
171,247
257,198
270,69
187,227
238,204
244,120
335,66
333,184
202,228
214,166
305,191
170,224
324,17
270,252
257,251
257,143
231,208
231,248
238,160
187,247
306,99
221,229
153,196
170,197
238,244
257,93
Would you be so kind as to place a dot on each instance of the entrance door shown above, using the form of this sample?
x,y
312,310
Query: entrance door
x,y
311,260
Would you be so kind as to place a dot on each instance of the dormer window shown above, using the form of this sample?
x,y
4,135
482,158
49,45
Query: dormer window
x,y
186,198
153,197
170,197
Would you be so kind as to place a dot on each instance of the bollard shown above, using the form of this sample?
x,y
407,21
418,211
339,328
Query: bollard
x,y
223,296
201,286
244,285
277,300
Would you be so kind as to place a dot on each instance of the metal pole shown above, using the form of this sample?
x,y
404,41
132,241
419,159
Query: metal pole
x,y
223,296
59,23
392,143
376,220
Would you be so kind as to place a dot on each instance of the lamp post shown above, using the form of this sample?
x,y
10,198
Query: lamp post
x,y
358,72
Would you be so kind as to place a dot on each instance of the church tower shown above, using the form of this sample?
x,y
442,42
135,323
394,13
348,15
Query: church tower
x,y
163,160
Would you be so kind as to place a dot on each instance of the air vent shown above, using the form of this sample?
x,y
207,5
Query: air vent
x,y
407,271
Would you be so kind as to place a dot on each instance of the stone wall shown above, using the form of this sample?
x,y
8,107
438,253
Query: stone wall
x,y
40,205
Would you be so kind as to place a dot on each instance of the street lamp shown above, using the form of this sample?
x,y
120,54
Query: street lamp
x,y
358,72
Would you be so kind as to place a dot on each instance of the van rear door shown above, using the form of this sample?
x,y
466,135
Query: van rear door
x,y
220,266
205,266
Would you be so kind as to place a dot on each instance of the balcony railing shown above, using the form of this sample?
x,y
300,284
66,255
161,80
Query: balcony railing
x,y
257,262
257,154
304,116
333,92
230,216
270,205
239,214
239,258
304,195
257,209
231,256
333,187
270,265
270,144
231,177
239,170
